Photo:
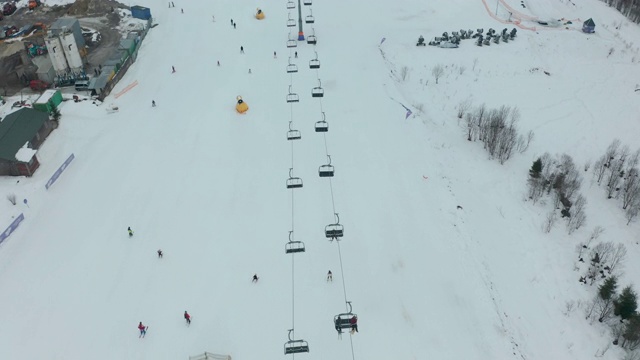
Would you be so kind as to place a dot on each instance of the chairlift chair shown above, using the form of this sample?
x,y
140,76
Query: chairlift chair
x,y
322,125
293,134
293,182
295,346
291,43
314,63
291,22
292,97
343,320
317,91
334,231
309,19
292,246
292,68
307,2
311,39
291,4
326,170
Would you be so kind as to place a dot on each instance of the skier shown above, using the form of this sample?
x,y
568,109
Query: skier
x,y
234,25
255,278
274,55
354,324
187,317
182,10
214,18
153,103
296,54
329,276
231,22
160,253
143,329
249,71
241,49
173,69
130,231
172,4
218,62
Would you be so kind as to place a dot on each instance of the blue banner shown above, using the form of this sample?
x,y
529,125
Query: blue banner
x,y
11,228
58,172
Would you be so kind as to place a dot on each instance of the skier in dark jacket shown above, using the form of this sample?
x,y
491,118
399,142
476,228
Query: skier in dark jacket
x,y
130,231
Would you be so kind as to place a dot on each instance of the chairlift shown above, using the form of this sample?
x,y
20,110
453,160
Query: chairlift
x,y
292,97
311,39
343,321
291,22
292,68
309,19
334,231
317,91
291,4
322,125
291,43
314,63
293,182
307,2
295,346
293,246
293,134
326,170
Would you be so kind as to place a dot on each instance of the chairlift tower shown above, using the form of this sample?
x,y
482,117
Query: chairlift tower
x,y
300,30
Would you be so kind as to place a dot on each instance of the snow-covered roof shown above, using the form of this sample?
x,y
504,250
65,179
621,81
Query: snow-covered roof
x,y
25,153
44,98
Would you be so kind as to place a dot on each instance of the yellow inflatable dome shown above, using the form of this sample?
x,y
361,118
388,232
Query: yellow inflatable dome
x,y
259,14
241,106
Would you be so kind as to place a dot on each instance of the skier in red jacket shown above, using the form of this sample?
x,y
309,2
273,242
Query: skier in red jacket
x,y
143,329
187,317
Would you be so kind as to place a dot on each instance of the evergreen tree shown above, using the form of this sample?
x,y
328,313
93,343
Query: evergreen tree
x,y
631,333
626,304
607,294
55,112
536,169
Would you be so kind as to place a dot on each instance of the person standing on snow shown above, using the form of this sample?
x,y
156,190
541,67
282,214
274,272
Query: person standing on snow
x,y
130,231
187,317
153,103
173,69
329,276
255,278
143,329
160,253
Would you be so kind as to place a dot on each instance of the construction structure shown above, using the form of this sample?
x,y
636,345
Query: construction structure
x,y
67,50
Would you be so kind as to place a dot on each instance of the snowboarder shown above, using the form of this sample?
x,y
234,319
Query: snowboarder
x,y
153,103
130,231
354,324
160,253
241,49
296,54
329,276
143,330
187,317
255,278
173,69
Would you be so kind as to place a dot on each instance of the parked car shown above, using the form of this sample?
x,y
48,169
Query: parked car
x,y
34,4
39,85
9,8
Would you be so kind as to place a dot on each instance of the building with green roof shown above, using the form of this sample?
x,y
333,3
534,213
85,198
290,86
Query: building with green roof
x,y
21,134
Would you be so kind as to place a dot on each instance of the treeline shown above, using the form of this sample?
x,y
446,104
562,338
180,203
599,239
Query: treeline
x,y
629,8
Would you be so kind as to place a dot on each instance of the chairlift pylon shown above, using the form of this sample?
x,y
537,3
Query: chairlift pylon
x,y
292,97
326,170
309,19
293,182
314,63
322,125
290,21
344,320
292,246
295,346
335,230
293,134
291,4
318,91
291,68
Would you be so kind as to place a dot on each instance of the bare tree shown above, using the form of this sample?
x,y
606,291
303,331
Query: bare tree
x,y
550,220
461,69
463,107
404,73
437,72
471,127
632,211
618,256
630,187
578,217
